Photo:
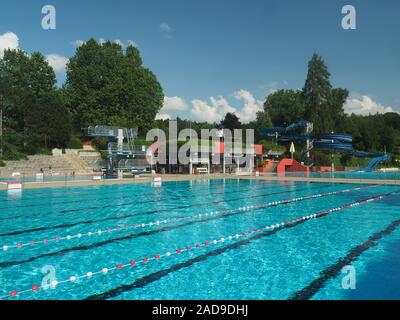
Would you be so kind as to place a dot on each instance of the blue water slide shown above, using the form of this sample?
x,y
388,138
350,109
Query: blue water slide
x,y
283,130
337,137
375,161
343,142
330,142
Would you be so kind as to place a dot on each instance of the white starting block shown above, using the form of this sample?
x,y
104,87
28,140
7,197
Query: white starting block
x,y
14,185
257,173
202,170
97,178
120,174
157,179
39,176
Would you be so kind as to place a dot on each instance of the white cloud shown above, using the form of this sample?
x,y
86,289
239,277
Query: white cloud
x,y
219,107
271,87
117,41
364,105
165,27
174,104
172,107
163,116
8,40
222,105
212,110
57,62
122,44
78,43
132,43
202,111
251,105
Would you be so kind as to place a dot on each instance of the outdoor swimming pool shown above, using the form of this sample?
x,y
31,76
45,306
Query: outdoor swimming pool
x,y
203,239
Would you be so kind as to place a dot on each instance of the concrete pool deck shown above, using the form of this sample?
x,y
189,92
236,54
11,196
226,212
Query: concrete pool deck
x,y
186,177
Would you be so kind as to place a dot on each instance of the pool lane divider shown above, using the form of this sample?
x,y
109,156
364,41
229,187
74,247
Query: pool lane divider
x,y
35,214
199,245
175,197
143,187
310,290
126,216
135,226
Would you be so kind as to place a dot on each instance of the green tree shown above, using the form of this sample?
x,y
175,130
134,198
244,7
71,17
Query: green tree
x,y
390,140
48,123
106,85
392,119
231,121
316,94
284,107
336,101
370,134
351,125
28,85
263,120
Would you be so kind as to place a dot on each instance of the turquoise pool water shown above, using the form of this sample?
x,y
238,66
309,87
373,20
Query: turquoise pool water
x,y
300,260
339,174
54,178
345,175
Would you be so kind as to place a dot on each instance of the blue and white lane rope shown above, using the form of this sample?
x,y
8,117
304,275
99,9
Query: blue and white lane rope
x,y
147,259
101,232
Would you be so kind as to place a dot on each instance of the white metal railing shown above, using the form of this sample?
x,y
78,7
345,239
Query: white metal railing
x,y
110,131
126,147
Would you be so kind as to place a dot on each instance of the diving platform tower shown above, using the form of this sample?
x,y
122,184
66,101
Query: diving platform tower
x,y
121,145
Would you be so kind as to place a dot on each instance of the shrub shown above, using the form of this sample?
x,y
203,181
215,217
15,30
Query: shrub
x,y
322,158
271,146
75,143
44,151
261,162
100,143
103,154
11,152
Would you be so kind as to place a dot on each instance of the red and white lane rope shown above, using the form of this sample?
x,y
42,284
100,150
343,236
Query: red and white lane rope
x,y
101,232
196,246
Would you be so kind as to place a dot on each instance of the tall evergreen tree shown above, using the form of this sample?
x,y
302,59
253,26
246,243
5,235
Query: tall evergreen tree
x,y
316,94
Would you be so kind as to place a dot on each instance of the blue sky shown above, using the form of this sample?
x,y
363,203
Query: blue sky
x,y
227,55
